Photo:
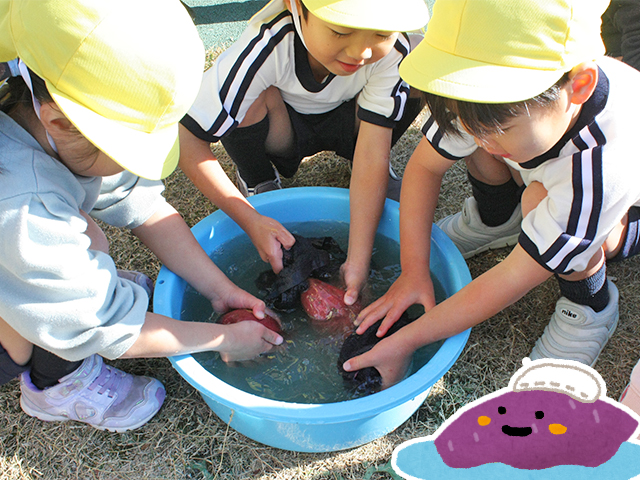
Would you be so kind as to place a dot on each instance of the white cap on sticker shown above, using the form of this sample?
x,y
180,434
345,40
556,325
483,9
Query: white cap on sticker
x,y
575,379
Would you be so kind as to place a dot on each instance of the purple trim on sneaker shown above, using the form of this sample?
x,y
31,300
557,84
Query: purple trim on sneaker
x,y
138,278
96,394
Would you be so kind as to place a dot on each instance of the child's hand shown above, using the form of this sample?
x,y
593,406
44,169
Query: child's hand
x,y
268,235
247,340
244,340
388,357
354,278
229,296
409,289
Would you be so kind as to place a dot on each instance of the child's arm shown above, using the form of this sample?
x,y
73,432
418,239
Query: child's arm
x,y
485,296
199,164
419,197
169,238
367,193
162,336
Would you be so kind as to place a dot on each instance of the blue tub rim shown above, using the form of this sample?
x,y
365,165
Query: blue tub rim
x,y
240,401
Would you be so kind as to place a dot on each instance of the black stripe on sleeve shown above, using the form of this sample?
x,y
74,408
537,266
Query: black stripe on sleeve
x,y
596,196
578,194
400,95
591,190
195,128
246,81
598,192
531,248
257,65
435,140
375,118
224,91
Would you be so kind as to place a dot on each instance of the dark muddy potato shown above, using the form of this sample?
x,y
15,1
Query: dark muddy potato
x,y
309,257
367,380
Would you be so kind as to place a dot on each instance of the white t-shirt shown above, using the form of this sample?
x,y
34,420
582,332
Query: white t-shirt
x,y
270,53
592,175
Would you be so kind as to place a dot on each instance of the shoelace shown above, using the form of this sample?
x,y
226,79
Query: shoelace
x,y
108,381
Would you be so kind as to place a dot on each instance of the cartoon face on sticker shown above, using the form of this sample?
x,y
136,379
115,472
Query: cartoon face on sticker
x,y
551,415
535,430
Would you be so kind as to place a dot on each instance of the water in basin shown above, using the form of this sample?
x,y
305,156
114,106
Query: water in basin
x,y
304,370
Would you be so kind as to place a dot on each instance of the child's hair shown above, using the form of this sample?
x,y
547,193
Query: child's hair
x,y
11,92
16,91
305,10
482,119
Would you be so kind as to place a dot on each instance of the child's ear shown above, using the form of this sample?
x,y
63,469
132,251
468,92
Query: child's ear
x,y
583,80
287,3
53,120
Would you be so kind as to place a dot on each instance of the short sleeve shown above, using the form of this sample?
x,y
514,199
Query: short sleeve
x,y
384,96
449,146
237,77
127,201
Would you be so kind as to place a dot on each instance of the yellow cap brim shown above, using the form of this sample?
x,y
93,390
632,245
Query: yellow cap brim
x,y
432,70
152,155
382,15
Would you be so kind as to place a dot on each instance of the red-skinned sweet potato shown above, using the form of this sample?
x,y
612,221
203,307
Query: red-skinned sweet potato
x,y
243,315
324,302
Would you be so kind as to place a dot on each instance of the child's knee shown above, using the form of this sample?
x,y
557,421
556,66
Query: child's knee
x,y
532,196
624,240
268,102
18,348
486,168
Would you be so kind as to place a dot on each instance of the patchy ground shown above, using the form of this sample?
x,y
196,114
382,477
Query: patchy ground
x,y
187,441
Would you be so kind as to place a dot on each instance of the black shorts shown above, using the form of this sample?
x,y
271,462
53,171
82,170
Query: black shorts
x,y
8,368
313,133
334,131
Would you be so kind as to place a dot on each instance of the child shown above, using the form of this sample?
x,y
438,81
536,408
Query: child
x,y
491,217
537,95
103,93
621,36
306,76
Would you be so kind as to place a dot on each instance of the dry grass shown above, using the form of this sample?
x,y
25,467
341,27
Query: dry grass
x,y
187,441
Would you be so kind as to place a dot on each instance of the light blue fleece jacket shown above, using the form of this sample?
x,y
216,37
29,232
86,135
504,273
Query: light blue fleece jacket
x,y
54,290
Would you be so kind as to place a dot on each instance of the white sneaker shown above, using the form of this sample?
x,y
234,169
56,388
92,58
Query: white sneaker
x,y
576,332
471,236
266,186
97,394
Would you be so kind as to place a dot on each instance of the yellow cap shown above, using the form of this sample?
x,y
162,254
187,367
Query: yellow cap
x,y
384,15
503,51
123,71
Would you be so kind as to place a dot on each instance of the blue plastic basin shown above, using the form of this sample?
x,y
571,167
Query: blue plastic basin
x,y
315,427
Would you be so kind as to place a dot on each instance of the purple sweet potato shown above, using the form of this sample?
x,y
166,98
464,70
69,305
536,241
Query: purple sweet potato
x,y
535,430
